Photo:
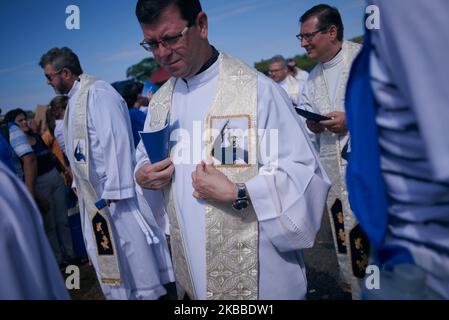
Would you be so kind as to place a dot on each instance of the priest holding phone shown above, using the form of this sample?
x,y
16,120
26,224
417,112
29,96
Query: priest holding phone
x,y
321,35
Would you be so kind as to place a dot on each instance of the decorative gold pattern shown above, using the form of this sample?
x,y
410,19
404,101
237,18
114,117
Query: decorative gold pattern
x,y
232,237
360,248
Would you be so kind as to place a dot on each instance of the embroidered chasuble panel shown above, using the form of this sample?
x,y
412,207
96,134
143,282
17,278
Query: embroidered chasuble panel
x,y
232,237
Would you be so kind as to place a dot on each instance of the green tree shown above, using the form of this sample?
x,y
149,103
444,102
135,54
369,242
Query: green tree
x,y
262,66
303,62
142,70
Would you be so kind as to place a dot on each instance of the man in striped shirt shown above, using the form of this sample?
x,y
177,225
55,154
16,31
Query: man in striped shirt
x,y
398,175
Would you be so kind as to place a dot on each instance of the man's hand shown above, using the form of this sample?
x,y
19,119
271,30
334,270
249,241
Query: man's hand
x,y
315,127
212,185
155,176
337,124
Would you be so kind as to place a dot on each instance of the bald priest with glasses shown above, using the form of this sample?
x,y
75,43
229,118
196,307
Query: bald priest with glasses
x,y
244,189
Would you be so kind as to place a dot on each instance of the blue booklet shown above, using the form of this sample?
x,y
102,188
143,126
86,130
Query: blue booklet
x,y
157,143
311,116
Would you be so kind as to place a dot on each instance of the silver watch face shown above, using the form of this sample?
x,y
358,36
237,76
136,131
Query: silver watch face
x,y
240,204
241,191
242,199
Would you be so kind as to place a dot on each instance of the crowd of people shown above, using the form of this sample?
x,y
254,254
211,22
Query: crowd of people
x,y
229,220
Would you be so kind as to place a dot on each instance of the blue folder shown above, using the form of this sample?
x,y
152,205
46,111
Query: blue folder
x,y
156,143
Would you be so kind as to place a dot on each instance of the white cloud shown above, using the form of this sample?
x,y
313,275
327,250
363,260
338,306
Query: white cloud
x,y
17,69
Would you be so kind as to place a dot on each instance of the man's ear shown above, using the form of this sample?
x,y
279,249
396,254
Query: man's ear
x,y
202,23
66,73
333,31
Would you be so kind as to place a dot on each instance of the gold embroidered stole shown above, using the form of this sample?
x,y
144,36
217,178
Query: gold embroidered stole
x,y
231,237
99,219
342,219
330,148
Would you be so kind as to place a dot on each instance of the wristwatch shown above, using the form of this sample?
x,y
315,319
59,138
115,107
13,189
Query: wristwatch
x,y
242,198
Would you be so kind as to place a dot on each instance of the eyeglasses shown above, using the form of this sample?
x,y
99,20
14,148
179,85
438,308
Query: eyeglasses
x,y
309,36
167,42
272,71
50,76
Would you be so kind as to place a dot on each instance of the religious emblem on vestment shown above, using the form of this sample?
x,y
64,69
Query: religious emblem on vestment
x,y
339,225
359,251
80,151
231,140
102,235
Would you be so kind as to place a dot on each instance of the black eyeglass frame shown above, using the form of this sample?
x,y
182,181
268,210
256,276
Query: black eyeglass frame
x,y
311,35
167,42
50,77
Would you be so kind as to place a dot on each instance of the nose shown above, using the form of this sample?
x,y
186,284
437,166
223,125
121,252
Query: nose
x,y
304,42
161,52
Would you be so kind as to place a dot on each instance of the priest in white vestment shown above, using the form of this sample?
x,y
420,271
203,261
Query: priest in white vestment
x,y
124,243
28,268
321,34
242,208
278,71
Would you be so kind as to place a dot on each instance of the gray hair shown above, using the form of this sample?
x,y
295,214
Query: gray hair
x,y
278,59
62,58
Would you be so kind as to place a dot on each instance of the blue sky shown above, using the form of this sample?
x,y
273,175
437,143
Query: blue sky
x,y
107,41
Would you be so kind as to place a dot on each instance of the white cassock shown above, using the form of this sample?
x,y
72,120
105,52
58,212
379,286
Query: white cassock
x,y
294,88
28,268
289,203
301,75
144,268
410,85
